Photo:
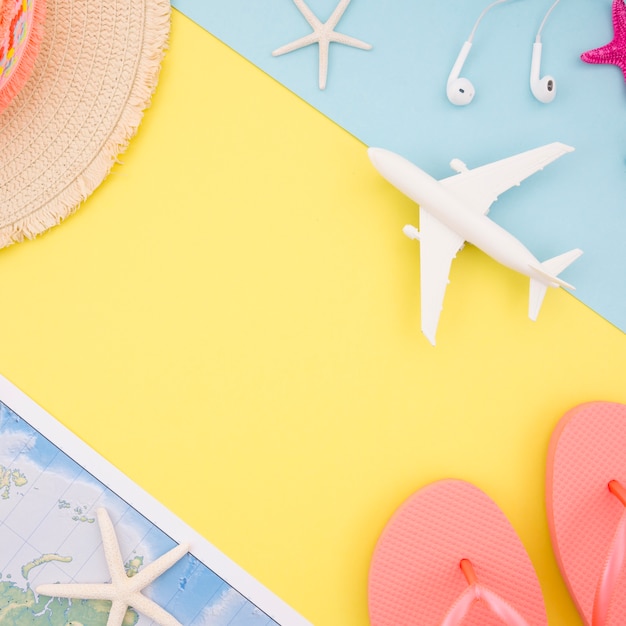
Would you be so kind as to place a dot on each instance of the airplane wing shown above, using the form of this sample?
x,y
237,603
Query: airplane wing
x,y
438,246
480,187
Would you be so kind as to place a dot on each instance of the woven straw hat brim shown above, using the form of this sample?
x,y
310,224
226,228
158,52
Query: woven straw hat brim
x,y
94,75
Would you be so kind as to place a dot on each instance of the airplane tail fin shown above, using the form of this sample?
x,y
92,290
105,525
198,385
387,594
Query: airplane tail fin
x,y
549,270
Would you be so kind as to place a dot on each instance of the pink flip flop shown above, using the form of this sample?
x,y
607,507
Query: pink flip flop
x,y
586,505
449,556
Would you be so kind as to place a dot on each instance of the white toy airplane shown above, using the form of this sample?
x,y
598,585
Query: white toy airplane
x,y
454,210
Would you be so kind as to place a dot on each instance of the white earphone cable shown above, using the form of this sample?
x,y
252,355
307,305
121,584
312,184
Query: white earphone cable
x,y
545,19
485,11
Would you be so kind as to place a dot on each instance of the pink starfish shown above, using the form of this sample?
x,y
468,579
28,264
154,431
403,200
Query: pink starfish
x,y
614,52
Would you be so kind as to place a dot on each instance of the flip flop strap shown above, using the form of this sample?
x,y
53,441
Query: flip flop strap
x,y
475,592
613,567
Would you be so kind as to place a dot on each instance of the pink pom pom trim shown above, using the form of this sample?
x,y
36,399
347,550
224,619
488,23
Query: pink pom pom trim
x,y
23,67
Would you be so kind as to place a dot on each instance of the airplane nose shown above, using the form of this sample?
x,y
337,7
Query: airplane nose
x,y
373,154
380,157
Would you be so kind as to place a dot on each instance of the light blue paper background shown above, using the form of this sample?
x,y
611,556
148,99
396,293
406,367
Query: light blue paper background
x,y
394,97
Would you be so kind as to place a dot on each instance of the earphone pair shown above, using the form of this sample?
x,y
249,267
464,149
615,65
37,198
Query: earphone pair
x,y
460,91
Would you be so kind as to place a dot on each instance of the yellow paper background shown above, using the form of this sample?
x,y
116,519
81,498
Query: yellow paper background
x,y
233,320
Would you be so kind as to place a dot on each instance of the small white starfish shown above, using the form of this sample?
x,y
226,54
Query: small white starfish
x,y
323,34
123,591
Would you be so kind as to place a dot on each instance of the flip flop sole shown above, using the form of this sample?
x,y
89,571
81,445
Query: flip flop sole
x,y
587,451
415,575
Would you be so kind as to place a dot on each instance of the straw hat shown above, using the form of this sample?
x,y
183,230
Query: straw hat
x,y
94,73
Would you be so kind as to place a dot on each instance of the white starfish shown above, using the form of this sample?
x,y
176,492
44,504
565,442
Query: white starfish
x,y
323,34
123,591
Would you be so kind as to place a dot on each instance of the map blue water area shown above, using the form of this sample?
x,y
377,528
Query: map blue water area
x,y
9,418
21,440
203,598
394,97
10,422
144,528
192,577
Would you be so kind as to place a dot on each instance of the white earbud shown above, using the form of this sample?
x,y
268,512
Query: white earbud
x,y
459,90
544,89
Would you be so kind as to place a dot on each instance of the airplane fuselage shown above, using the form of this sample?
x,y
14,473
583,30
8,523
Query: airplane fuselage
x,y
457,215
